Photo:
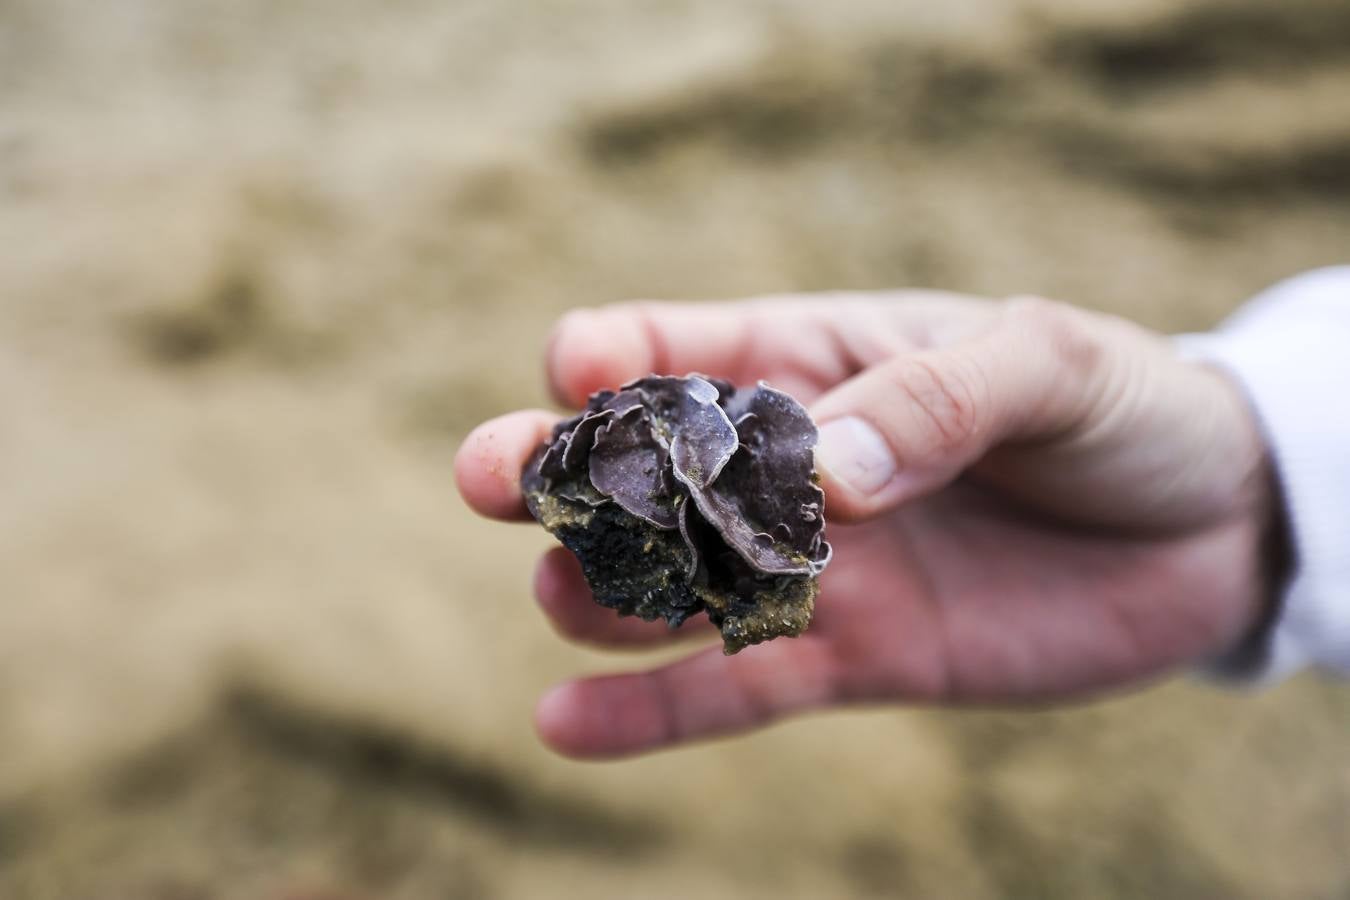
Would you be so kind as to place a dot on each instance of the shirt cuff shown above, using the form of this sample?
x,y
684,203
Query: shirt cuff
x,y
1289,350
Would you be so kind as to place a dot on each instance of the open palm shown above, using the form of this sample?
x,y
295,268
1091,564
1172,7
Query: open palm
x,y
1072,509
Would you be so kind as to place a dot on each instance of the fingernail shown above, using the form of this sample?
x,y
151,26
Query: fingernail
x,y
854,452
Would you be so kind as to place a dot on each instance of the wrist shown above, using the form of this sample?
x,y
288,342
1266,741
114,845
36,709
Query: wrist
x,y
1272,566
1257,504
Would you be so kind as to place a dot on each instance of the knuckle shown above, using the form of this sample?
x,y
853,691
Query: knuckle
x,y
945,397
1061,331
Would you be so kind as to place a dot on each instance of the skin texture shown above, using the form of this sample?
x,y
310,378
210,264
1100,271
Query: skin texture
x,y
1062,508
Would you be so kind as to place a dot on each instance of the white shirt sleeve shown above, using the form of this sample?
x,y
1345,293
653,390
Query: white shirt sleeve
x,y
1289,348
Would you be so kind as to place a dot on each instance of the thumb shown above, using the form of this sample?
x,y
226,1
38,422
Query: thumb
x,y
911,425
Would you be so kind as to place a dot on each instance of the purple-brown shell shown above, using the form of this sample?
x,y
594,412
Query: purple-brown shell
x,y
681,494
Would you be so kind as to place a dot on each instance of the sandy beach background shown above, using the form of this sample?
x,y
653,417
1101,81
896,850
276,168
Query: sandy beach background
x,y
263,264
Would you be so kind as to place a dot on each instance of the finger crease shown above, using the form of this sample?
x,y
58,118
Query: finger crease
x,y
657,347
847,359
759,706
671,727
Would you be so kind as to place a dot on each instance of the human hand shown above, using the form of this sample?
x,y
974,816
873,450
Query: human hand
x,y
1027,501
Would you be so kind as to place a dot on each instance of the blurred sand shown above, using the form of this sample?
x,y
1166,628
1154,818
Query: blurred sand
x,y
262,264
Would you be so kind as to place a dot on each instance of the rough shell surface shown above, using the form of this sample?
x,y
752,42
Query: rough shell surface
x,y
682,495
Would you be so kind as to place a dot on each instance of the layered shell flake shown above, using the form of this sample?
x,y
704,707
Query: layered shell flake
x,y
685,494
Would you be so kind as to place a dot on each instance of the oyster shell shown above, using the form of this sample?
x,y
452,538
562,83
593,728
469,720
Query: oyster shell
x,y
687,495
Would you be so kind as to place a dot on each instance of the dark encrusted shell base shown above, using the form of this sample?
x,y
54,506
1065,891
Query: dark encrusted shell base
x,y
637,569
673,508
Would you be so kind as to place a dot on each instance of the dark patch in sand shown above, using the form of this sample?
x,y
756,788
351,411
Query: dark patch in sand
x,y
228,316
779,105
790,100
1203,40
1211,176
876,865
356,752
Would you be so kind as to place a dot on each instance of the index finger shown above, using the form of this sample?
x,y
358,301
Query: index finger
x,y
489,462
802,344
794,342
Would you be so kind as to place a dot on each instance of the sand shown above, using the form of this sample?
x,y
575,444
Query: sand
x,y
265,263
